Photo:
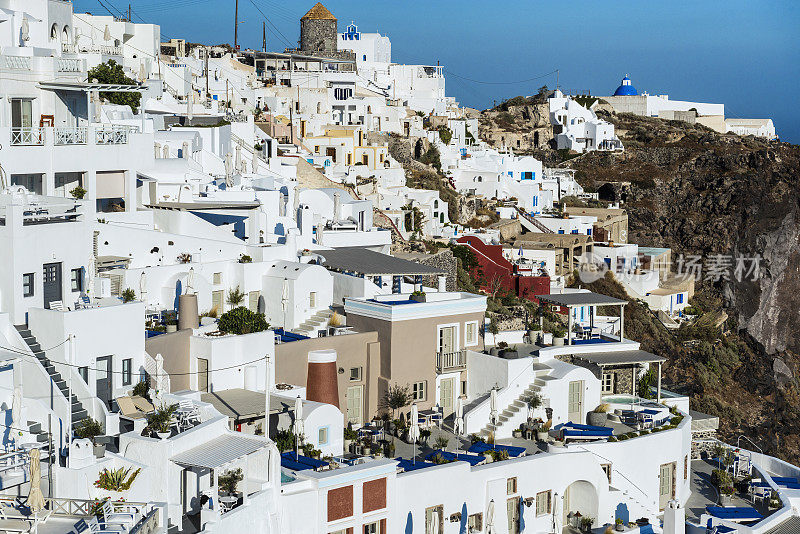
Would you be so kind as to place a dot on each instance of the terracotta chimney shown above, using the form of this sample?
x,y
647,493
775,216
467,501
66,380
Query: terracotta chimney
x,y
322,384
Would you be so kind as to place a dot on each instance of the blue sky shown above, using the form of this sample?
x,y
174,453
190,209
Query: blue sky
x,y
742,53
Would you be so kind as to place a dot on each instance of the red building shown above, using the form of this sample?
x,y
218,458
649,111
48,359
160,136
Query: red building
x,y
497,270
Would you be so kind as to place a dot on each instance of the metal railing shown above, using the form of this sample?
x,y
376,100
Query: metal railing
x,y
451,361
148,524
27,136
70,136
18,62
79,507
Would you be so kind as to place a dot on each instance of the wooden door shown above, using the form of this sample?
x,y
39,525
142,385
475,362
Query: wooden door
x,y
512,513
446,388
218,301
575,401
665,485
447,339
355,405
202,374
51,282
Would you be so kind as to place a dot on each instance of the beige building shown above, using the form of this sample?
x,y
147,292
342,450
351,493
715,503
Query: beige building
x,y
611,225
358,363
423,344
569,248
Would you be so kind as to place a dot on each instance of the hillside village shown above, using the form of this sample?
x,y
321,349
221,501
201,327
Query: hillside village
x,y
306,291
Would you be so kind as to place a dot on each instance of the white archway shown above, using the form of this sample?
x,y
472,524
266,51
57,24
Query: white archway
x,y
581,496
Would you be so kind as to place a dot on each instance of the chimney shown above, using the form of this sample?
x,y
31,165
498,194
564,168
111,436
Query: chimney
x,y
442,284
674,518
322,384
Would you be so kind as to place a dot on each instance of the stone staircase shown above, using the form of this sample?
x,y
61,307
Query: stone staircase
x,y
79,413
517,410
529,220
316,322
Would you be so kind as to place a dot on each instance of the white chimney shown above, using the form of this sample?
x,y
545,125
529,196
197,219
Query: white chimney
x,y
674,518
442,284
336,206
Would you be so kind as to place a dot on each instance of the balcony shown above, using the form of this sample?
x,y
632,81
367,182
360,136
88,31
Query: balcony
x,y
69,136
18,62
113,135
64,64
447,362
28,136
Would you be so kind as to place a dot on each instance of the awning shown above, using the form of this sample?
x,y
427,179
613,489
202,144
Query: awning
x,y
368,262
587,298
219,451
621,357
237,403
87,87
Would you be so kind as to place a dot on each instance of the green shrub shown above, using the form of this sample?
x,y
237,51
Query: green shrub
x,y
88,429
242,321
128,295
229,479
78,192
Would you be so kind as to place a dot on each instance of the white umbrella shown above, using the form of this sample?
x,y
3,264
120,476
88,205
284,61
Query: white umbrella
x,y
189,105
298,416
25,30
433,526
190,281
493,406
107,34
285,300
161,376
255,161
35,497
90,274
490,518
142,73
413,428
558,514
16,409
143,287
238,165
228,168
458,427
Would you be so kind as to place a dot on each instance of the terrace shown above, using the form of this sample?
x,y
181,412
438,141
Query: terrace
x,y
583,330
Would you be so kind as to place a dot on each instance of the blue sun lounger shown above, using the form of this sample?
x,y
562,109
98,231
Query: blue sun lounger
x,y
480,447
471,459
734,513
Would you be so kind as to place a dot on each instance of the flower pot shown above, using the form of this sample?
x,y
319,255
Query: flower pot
x,y
172,328
620,528
517,433
542,435
558,341
99,450
418,298
163,435
597,418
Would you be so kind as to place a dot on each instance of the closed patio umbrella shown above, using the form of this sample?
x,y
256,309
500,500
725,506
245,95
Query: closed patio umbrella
x,y
433,526
143,287
558,514
35,497
255,161
493,406
238,166
285,300
107,34
458,426
90,274
190,281
490,518
16,411
298,417
228,168
413,429
189,113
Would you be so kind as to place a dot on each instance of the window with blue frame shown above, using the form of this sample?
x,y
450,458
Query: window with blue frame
x,y
574,231
680,298
589,231
535,201
561,231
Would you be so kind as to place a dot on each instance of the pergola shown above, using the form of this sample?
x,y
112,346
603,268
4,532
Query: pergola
x,y
585,298
222,452
634,358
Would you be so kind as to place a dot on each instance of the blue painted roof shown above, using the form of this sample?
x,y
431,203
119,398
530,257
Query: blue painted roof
x,y
471,459
408,465
626,90
480,446
298,462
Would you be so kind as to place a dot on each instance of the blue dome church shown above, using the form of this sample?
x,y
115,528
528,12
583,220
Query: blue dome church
x,y
626,89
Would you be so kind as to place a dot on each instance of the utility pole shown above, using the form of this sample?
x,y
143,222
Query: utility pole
x,y
205,63
264,44
236,26
129,13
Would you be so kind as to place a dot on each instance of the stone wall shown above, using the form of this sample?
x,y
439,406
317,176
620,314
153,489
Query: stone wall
x,y
318,35
443,260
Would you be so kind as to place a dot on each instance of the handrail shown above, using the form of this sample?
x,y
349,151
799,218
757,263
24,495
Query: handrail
x,y
751,441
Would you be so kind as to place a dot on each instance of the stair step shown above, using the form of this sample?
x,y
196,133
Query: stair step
x,y
79,416
35,347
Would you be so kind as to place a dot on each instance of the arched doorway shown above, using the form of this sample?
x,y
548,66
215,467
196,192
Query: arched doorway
x,y
580,496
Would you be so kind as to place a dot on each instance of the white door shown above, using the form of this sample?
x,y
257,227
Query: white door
x,y
354,405
575,401
665,482
447,338
446,388
217,299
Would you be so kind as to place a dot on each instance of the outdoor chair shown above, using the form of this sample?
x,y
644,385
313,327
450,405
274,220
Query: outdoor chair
x,y
121,513
57,305
187,414
94,526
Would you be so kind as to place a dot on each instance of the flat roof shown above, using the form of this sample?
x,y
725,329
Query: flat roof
x,y
620,357
581,299
220,451
365,261
241,403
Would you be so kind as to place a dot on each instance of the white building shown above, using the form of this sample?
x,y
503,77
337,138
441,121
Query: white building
x,y
579,128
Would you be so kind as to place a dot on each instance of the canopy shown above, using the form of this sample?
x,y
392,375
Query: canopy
x,y
219,451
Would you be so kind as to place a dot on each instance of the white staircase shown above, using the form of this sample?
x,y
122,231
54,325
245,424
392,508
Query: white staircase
x,y
531,224
517,412
315,323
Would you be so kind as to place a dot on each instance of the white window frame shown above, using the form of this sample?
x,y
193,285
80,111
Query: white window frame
x,y
548,503
217,278
360,374
456,336
424,387
607,386
470,342
323,431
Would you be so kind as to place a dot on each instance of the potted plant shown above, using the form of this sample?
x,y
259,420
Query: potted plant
x,y
533,402
228,481
418,296
544,431
390,449
620,527
586,524
160,420
774,501
89,429
424,434
350,436
171,321
599,415
559,334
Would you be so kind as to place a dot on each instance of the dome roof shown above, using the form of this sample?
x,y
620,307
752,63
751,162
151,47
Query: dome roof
x,y
625,88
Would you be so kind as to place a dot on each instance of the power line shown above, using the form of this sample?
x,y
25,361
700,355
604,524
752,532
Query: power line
x,y
285,40
451,73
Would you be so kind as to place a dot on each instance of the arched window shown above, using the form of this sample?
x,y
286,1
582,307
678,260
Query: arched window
x,y
66,35
54,32
369,109
319,107
435,204
480,178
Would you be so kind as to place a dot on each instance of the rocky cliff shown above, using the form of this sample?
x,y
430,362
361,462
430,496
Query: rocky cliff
x,y
734,202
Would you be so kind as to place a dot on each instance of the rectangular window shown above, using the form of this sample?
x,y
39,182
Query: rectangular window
x,y
418,391
84,373
312,299
471,333
76,280
355,374
475,523
27,285
685,467
373,528
217,278
127,371
323,435
511,486
543,501
608,383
